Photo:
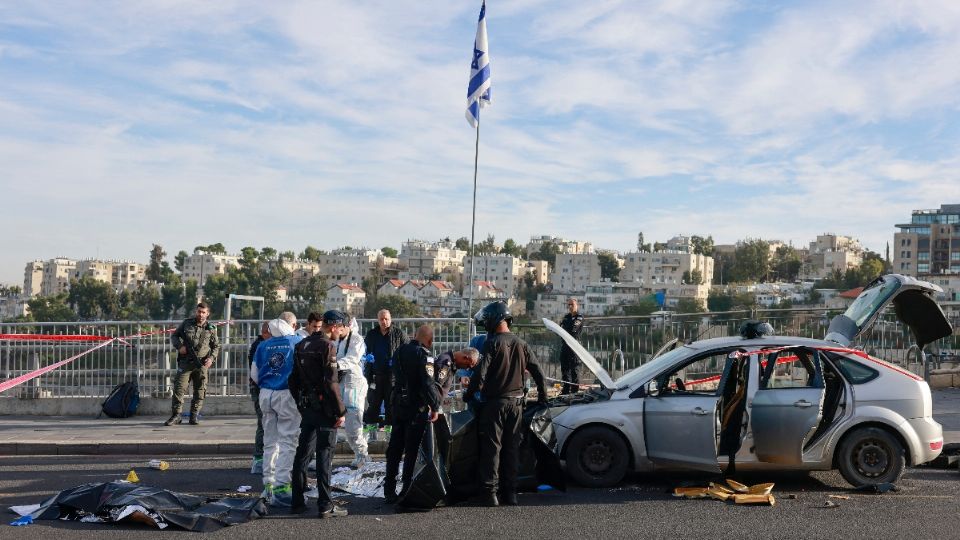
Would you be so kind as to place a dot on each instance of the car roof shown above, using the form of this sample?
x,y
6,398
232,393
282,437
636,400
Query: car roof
x,y
764,341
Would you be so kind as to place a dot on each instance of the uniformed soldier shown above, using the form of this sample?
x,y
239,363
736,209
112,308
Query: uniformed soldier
x,y
197,347
416,401
573,323
315,386
497,389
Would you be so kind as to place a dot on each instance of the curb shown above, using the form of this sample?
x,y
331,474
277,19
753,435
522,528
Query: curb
x,y
151,448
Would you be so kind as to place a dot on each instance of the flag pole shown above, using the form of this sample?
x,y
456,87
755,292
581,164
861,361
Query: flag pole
x,y
473,228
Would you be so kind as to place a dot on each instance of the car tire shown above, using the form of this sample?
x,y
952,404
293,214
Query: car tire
x,y
869,456
597,457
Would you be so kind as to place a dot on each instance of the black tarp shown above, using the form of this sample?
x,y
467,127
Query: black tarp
x,y
446,469
106,500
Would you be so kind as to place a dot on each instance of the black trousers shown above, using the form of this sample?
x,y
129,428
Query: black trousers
x,y
568,371
405,438
499,422
315,436
380,395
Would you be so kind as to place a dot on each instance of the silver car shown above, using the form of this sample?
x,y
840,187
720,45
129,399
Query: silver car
x,y
761,402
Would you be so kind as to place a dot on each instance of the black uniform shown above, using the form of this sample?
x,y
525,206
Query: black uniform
x,y
569,362
315,386
379,373
415,395
497,384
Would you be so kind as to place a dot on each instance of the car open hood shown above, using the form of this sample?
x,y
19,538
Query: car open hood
x,y
912,301
585,357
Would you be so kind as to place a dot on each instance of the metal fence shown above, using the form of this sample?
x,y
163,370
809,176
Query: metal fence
x,y
619,343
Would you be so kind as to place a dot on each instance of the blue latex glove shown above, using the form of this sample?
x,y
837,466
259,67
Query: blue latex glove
x,y
369,358
23,520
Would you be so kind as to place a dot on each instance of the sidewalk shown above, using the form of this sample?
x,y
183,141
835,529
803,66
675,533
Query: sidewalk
x,y
147,436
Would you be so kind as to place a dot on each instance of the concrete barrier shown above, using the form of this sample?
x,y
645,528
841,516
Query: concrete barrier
x,y
80,406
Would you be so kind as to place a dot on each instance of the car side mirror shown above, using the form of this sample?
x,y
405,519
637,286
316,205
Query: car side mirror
x,y
647,390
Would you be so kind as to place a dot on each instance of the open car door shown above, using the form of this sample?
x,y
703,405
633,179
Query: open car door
x,y
788,405
913,301
681,417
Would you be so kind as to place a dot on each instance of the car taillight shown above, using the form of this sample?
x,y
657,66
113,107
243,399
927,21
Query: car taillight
x,y
936,445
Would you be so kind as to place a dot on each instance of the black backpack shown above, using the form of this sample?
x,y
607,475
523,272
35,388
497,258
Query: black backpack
x,y
122,401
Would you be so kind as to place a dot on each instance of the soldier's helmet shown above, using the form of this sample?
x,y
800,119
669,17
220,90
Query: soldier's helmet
x,y
490,316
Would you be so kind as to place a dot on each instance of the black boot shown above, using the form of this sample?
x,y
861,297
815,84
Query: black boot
x,y
175,418
390,493
509,499
194,421
489,499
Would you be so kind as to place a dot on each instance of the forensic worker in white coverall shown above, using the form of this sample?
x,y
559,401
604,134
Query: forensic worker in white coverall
x,y
272,364
353,385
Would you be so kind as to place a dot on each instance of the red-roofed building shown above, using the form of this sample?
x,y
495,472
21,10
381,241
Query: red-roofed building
x,y
391,286
347,297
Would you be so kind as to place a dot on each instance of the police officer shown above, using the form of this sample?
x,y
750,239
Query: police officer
x,y
497,388
315,386
573,323
416,401
197,347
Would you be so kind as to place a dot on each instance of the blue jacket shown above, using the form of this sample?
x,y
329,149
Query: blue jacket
x,y
274,360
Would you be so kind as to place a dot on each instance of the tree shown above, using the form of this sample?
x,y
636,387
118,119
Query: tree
x,y
51,308
171,296
153,272
180,260
786,263
701,245
311,253
217,249
644,306
609,266
287,255
548,252
689,305
751,261
389,252
696,277
398,306
462,243
310,295
511,248
12,290
659,246
487,247
92,299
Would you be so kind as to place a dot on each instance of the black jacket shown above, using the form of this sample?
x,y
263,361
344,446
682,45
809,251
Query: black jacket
x,y
415,387
500,372
397,340
313,382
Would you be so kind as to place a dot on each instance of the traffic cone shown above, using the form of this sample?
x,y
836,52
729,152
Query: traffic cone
x,y
132,476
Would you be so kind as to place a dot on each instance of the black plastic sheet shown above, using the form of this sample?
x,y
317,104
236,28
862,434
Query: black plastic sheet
x,y
107,500
446,469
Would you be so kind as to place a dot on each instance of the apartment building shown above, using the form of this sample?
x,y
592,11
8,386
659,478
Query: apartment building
x,y
200,265
346,297
830,252
929,243
426,260
665,267
505,271
574,271
33,279
566,246
56,275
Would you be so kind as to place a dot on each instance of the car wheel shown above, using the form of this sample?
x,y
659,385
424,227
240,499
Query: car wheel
x,y
597,457
869,456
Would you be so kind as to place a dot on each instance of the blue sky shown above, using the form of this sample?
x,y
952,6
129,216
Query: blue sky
x,y
342,123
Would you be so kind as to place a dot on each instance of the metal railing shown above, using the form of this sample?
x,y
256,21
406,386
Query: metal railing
x,y
619,344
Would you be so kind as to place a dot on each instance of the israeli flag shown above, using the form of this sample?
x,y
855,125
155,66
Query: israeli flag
x,y
478,92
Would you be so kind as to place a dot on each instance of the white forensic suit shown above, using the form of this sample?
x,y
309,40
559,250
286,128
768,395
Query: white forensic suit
x,y
353,388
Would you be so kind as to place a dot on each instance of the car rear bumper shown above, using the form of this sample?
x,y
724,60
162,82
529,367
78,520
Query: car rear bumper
x,y
929,442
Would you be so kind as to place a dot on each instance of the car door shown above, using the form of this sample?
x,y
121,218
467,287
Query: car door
x,y
788,404
680,417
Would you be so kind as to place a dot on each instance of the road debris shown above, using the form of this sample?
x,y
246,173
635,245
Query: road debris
x,y
841,497
132,477
159,464
759,494
879,488
830,504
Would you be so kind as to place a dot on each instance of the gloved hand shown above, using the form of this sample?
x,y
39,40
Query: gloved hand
x,y
369,358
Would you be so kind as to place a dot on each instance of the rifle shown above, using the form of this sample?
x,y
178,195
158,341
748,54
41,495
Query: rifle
x,y
191,350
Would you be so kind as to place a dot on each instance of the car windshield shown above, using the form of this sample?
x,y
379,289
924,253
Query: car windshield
x,y
651,368
870,301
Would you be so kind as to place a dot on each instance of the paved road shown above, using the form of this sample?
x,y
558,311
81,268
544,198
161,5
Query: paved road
x,y
925,507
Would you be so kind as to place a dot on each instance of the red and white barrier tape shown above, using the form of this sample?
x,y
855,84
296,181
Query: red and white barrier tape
x,y
17,381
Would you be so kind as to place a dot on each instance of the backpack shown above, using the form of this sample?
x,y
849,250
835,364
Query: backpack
x,y
122,401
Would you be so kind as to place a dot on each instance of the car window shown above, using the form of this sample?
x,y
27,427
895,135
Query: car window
x,y
854,371
699,377
793,368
